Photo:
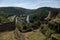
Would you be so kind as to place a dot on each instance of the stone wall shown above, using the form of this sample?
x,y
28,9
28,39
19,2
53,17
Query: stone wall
x,y
7,26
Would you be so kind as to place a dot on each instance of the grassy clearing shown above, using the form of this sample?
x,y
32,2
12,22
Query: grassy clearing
x,y
34,35
8,35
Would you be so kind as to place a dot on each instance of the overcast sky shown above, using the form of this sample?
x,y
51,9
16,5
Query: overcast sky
x,y
30,4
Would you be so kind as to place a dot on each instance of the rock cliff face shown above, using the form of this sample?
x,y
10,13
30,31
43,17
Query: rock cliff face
x,y
7,26
53,21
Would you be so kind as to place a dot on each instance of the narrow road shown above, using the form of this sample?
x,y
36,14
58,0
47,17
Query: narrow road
x,y
21,36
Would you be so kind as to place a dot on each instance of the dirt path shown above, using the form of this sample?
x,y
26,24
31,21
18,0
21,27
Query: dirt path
x,y
21,36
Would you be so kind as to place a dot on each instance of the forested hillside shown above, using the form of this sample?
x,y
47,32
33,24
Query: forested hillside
x,y
5,11
43,12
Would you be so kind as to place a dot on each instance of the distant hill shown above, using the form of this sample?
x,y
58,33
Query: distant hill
x,y
42,13
5,11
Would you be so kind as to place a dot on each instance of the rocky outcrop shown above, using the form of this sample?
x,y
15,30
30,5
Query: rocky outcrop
x,y
55,24
7,26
